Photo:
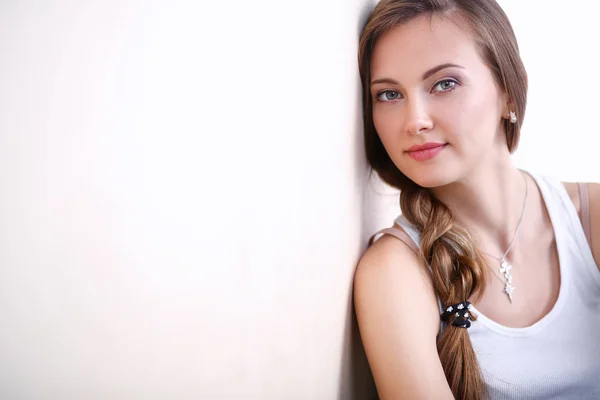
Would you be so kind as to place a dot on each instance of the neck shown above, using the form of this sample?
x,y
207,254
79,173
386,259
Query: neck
x,y
489,203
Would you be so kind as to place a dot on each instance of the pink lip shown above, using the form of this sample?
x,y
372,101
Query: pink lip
x,y
426,151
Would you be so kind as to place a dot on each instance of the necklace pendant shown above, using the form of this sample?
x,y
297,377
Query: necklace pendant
x,y
506,269
508,289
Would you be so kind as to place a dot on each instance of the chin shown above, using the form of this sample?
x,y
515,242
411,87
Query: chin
x,y
430,176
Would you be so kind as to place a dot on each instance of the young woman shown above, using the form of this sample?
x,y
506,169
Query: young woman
x,y
488,284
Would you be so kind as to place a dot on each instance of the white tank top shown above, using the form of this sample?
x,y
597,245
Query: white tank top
x,y
558,357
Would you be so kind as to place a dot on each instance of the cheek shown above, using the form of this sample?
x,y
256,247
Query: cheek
x,y
385,119
471,115
388,125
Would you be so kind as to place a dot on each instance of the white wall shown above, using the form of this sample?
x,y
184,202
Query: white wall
x,y
182,189
181,200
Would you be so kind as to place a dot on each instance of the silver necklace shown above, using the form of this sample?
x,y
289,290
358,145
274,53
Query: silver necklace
x,y
505,266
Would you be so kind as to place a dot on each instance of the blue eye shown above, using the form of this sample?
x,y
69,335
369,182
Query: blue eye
x,y
388,95
446,85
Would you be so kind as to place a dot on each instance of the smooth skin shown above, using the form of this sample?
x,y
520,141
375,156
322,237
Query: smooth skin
x,y
416,101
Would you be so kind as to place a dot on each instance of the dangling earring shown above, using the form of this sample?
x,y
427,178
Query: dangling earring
x,y
513,117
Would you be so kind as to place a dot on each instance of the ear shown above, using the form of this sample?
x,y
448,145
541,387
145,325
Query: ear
x,y
507,107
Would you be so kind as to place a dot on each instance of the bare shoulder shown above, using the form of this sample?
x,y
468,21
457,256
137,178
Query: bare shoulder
x,y
393,258
594,210
594,204
398,318
573,192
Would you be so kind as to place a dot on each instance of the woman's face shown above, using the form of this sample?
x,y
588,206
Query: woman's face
x,y
430,85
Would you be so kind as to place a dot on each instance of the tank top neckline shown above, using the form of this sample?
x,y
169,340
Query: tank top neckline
x,y
564,275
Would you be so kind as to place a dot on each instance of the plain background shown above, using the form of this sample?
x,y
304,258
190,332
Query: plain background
x,y
184,196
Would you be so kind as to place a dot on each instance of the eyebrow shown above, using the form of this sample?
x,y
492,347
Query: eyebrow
x,y
425,75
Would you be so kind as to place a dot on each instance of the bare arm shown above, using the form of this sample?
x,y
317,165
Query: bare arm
x,y
399,319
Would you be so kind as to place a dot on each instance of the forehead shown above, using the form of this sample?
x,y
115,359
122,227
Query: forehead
x,y
409,49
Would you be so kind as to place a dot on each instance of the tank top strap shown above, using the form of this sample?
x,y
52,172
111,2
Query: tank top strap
x,y
399,234
411,230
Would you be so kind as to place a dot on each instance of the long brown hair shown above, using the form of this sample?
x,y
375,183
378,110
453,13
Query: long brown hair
x,y
456,264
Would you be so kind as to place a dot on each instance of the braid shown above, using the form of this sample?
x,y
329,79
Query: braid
x,y
457,271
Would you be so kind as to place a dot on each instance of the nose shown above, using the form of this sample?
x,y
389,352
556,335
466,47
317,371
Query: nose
x,y
418,121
